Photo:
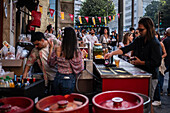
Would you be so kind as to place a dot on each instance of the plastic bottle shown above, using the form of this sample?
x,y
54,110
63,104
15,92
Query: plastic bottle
x,y
20,82
5,43
6,83
11,83
28,81
34,79
1,82
15,80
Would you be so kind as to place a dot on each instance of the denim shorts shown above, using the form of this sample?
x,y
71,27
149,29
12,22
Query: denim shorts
x,y
64,84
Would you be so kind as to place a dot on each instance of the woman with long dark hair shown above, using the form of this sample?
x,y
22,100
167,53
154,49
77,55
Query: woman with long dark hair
x,y
69,63
104,39
162,68
146,49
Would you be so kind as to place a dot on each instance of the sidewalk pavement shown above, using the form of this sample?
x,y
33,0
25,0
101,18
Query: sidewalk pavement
x,y
165,99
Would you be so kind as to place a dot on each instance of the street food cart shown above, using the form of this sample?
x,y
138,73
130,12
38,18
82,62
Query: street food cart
x,y
126,77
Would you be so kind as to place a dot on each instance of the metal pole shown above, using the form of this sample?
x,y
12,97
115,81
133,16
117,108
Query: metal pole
x,y
107,11
132,18
56,16
158,21
120,20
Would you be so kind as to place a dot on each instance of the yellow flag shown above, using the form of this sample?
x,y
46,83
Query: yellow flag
x,y
113,17
80,20
93,19
62,15
41,9
105,20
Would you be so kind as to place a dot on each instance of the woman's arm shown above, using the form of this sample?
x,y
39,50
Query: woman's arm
x,y
164,54
50,49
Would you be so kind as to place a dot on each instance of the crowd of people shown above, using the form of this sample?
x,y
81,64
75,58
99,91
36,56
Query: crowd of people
x,y
61,60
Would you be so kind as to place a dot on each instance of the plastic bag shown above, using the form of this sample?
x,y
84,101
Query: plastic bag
x,y
24,54
8,53
21,53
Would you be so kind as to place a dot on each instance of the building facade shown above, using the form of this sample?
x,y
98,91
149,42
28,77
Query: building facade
x,y
139,11
44,16
8,21
77,7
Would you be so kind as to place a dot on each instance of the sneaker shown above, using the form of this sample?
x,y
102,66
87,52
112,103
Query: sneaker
x,y
156,103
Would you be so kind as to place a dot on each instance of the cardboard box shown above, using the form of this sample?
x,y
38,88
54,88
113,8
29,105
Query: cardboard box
x,y
10,74
11,63
15,66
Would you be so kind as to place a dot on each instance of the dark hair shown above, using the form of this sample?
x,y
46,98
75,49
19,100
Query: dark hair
x,y
132,29
125,38
159,38
93,29
149,25
49,27
37,36
69,43
112,32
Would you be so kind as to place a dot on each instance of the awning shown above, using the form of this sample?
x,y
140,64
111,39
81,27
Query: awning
x,y
29,4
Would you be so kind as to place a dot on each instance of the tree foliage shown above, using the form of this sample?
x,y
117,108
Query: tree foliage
x,y
152,11
155,7
96,8
165,8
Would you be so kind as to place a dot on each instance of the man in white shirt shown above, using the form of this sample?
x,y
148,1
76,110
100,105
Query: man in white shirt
x,y
92,38
49,33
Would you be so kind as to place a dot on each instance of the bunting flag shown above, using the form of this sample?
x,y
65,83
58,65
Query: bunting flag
x,y
87,18
41,9
80,20
113,17
93,19
118,15
105,20
62,15
51,12
71,16
110,18
100,19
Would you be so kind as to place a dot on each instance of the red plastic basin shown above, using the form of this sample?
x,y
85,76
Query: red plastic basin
x,y
132,103
25,103
51,100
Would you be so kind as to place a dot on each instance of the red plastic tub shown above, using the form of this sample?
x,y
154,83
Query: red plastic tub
x,y
117,102
25,104
49,101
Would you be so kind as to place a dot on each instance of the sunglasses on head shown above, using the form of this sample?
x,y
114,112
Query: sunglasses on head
x,y
140,30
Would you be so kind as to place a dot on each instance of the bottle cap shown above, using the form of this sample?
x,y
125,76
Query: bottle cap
x,y
33,79
7,77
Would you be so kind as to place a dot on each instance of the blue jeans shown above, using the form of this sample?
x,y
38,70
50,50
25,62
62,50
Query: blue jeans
x,y
168,67
64,84
161,81
157,95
